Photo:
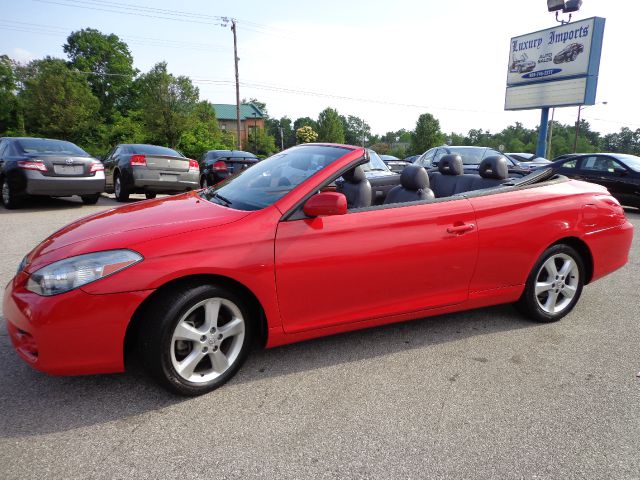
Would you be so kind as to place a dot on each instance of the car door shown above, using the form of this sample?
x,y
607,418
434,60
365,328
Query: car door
x,y
608,172
570,168
374,263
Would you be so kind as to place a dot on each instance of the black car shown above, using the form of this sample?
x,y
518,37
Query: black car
x,y
381,178
411,158
569,53
216,165
46,167
394,163
529,160
471,158
619,173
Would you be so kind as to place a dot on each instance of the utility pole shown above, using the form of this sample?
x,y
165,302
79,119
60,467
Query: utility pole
x,y
575,142
281,137
553,113
234,29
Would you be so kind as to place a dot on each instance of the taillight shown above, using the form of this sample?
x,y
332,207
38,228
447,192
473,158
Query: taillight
x,y
28,165
138,161
96,167
220,166
193,165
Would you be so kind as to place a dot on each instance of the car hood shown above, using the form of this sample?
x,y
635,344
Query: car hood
x,y
125,226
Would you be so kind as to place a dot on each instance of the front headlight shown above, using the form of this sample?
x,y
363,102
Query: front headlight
x,y
74,272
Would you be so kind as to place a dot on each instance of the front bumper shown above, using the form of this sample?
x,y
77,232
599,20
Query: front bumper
x,y
145,179
74,333
38,184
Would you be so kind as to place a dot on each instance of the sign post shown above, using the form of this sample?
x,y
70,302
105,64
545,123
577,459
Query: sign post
x,y
556,67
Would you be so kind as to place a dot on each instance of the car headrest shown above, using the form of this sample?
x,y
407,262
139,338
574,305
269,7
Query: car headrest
x,y
301,163
494,167
414,177
451,165
355,175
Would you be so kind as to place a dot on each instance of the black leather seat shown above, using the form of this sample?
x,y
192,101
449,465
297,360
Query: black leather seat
x,y
450,177
414,186
356,188
493,171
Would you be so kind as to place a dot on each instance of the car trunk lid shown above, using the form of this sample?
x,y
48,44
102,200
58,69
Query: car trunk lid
x,y
64,166
167,163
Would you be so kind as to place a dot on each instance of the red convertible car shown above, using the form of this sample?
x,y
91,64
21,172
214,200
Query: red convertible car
x,y
274,255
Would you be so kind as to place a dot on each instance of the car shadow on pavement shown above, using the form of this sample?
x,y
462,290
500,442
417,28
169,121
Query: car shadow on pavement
x,y
33,403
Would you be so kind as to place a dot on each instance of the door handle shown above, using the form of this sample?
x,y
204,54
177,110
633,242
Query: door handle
x,y
460,229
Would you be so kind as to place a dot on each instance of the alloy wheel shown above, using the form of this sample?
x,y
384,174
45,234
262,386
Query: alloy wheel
x,y
6,194
207,340
117,187
557,282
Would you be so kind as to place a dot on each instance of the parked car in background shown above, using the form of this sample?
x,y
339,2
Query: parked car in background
x,y
46,167
268,257
529,160
394,163
216,165
618,172
149,169
411,158
471,158
379,175
569,53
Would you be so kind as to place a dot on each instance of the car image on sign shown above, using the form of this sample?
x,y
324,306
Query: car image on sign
x,y
569,53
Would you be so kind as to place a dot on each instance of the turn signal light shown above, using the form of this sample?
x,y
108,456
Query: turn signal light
x,y
138,161
27,165
220,166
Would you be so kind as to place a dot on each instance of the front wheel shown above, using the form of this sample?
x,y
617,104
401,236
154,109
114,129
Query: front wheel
x,y
196,338
121,192
554,284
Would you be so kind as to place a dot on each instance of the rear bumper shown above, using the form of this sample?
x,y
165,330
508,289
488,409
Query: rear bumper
x,y
145,179
74,333
38,184
610,249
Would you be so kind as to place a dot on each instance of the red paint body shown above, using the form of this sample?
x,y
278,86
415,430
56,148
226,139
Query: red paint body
x,y
312,277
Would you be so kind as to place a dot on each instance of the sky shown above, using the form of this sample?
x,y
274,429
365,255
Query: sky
x,y
386,62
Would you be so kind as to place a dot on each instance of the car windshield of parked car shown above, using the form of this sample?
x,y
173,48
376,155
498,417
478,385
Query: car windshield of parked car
x,y
153,150
43,145
375,163
631,161
269,180
470,155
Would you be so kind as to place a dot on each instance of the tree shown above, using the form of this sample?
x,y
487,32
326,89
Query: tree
x,y
356,130
426,135
108,63
203,133
167,104
58,102
8,98
273,128
305,121
306,134
330,127
261,143
261,105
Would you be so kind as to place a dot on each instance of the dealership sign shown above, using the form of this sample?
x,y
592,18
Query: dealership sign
x,y
555,67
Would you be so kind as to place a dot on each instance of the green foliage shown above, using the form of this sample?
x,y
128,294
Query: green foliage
x,y
8,98
305,121
381,148
356,130
58,103
625,141
330,128
167,104
306,134
273,127
261,143
203,133
109,62
426,135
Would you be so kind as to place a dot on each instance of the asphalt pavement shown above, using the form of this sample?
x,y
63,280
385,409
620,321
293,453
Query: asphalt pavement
x,y
479,394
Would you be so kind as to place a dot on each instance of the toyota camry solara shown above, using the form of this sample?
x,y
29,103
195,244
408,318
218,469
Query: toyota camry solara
x,y
275,255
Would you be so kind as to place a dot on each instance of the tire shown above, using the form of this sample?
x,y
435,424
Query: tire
x,y
90,199
150,195
9,198
204,183
121,192
558,277
210,352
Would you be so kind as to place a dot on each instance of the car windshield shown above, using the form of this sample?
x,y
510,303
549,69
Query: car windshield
x,y
375,163
43,145
269,180
630,161
153,150
470,155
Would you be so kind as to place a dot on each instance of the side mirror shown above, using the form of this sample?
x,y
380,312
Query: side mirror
x,y
326,204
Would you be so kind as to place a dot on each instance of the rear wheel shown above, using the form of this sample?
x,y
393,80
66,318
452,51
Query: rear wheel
x,y
9,198
204,183
90,199
121,192
195,339
554,284
150,195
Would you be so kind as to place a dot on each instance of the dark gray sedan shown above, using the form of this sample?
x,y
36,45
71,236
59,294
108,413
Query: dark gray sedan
x,y
149,169
44,167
